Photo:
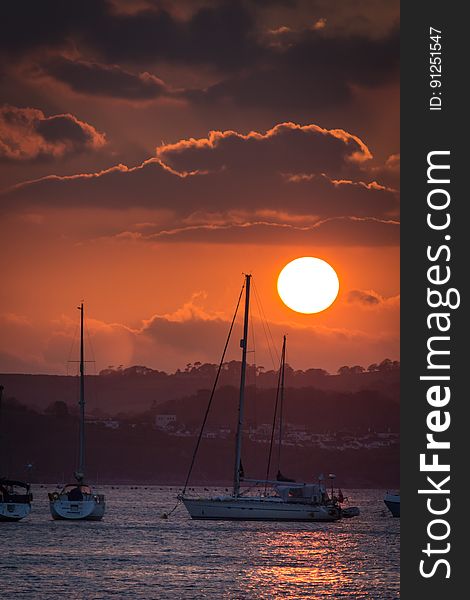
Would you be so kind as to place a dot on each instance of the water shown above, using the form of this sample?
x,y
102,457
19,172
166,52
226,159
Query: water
x,y
135,554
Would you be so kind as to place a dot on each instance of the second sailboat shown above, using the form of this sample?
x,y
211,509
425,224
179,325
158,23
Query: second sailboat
x,y
77,501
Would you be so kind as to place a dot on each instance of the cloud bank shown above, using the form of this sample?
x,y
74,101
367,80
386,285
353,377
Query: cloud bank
x,y
26,134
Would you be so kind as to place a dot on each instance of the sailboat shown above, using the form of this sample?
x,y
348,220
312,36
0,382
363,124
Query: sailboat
x,y
77,501
281,500
15,496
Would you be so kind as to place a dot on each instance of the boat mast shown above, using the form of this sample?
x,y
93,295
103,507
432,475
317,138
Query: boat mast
x,y
281,398
241,402
81,451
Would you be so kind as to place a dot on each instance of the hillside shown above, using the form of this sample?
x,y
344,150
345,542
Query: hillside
x,y
137,389
138,453
347,423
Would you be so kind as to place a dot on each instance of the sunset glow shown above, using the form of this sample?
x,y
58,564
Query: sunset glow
x,y
144,183
215,185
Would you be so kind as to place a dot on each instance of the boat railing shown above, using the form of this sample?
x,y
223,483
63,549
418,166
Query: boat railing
x,y
86,496
275,482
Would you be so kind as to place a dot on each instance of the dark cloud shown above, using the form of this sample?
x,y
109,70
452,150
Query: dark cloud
x,y
27,134
63,128
200,335
389,172
286,148
289,71
153,186
344,197
220,35
190,335
312,71
228,171
367,17
368,298
26,26
105,80
339,231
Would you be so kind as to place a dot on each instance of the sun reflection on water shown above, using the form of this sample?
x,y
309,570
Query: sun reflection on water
x,y
133,553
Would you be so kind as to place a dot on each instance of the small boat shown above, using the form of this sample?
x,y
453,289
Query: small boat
x,y
15,500
392,502
77,501
15,496
281,499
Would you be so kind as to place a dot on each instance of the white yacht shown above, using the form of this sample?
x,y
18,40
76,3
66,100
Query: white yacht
x,y
77,501
285,502
266,499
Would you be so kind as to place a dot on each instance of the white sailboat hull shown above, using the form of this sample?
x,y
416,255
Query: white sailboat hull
x,y
78,510
258,509
14,511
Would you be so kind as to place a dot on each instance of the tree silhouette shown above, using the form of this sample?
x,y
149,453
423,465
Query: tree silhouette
x,y
58,409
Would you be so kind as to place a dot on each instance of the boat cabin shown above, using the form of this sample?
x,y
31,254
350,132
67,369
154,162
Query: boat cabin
x,y
76,491
311,492
15,492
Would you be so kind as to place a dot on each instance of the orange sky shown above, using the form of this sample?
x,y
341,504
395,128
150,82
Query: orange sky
x,y
304,162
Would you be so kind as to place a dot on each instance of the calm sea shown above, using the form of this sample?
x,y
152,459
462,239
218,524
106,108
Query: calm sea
x,y
134,553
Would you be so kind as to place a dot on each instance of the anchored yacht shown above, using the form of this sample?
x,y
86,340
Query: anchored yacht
x,y
266,499
77,501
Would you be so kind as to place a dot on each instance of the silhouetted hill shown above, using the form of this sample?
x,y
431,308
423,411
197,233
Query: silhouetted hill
x,y
136,389
304,408
40,427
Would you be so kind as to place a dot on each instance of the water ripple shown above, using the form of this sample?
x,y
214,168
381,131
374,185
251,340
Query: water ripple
x,y
135,554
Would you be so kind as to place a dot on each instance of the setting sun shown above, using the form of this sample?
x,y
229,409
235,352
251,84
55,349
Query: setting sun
x,y
308,285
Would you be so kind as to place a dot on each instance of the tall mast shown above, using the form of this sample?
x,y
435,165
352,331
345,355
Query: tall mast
x,y
241,402
283,365
81,449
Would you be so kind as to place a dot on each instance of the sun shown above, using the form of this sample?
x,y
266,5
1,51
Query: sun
x,y
308,285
